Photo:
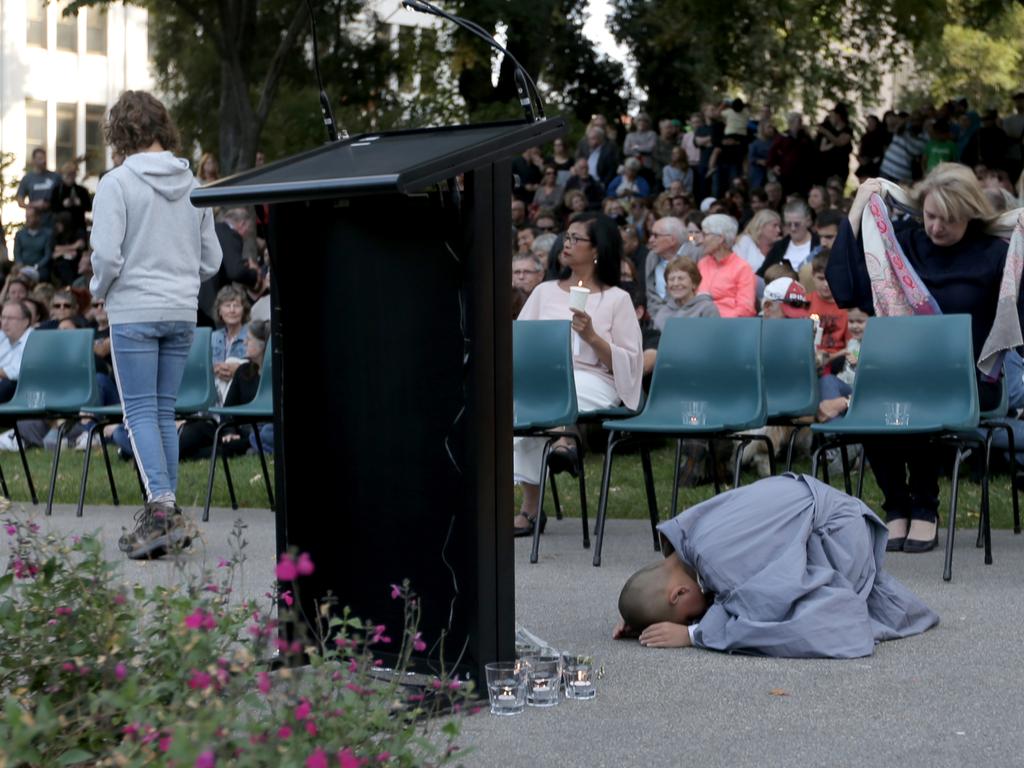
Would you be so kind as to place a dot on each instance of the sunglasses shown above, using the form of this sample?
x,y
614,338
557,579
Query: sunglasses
x,y
62,305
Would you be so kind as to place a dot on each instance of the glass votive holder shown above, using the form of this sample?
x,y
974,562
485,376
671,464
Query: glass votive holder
x,y
544,680
695,413
897,413
579,679
506,687
36,399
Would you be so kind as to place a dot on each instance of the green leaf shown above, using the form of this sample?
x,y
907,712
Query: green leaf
x,y
73,756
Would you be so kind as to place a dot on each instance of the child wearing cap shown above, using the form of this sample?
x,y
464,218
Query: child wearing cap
x,y
784,297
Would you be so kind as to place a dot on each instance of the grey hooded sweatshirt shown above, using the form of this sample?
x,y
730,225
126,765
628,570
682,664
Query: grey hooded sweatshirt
x,y
151,246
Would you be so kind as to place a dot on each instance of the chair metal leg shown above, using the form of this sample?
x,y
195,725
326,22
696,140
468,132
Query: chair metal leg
x,y
737,466
61,431
583,493
110,472
986,510
263,464
3,484
713,455
554,494
863,471
954,487
652,504
230,481
138,476
90,431
1013,475
24,464
535,547
790,449
673,510
213,470
771,451
602,501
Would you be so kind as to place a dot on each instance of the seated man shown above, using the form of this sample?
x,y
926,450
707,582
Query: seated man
x,y
786,566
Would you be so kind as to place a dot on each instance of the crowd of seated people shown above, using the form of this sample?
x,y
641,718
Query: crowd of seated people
x,y
737,215
46,288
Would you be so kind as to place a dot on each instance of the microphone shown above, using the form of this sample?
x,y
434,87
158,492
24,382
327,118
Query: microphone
x,y
524,83
325,103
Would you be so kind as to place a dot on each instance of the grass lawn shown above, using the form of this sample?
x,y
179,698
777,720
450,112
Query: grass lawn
x,y
192,475
627,489
627,499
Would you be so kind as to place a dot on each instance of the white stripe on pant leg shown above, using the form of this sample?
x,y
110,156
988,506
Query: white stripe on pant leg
x,y
592,392
127,426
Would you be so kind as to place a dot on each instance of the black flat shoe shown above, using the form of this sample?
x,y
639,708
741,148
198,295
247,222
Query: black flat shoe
x,y
564,459
522,532
895,545
922,545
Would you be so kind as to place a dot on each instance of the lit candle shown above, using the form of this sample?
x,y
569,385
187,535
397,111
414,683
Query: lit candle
x,y
818,331
506,696
578,297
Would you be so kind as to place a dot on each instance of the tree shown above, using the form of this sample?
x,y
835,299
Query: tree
x,y
247,42
772,51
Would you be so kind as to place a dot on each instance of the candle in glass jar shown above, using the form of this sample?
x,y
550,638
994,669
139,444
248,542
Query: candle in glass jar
x,y
578,297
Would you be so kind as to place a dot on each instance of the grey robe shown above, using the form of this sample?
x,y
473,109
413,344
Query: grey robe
x,y
795,567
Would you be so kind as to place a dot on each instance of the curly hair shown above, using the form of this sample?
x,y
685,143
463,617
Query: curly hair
x,y
136,121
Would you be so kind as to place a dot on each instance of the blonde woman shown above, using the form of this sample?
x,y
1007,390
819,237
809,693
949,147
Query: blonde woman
x,y
961,266
763,231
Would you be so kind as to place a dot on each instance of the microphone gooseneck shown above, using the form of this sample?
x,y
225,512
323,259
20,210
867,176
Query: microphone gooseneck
x,y
325,104
524,83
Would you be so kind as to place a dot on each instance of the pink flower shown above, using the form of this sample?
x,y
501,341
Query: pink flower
x,y
222,563
454,685
11,530
379,636
62,610
302,711
164,744
199,680
383,757
396,591
120,599
436,684
120,672
130,731
417,697
305,565
68,666
317,760
212,588
206,759
284,732
287,599
348,759
286,570
200,620
417,643
311,728
263,683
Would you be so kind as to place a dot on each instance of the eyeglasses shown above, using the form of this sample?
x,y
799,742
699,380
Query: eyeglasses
x,y
524,272
796,224
575,239
660,234
61,305
547,229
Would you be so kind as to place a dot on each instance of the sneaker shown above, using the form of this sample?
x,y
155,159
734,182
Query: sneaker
x,y
159,529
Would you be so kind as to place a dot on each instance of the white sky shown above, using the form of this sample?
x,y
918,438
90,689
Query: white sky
x,y
596,29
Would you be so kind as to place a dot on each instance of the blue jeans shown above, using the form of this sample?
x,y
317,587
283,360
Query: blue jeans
x,y
149,362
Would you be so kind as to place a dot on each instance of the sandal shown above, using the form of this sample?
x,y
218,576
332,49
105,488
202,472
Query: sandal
x,y
564,459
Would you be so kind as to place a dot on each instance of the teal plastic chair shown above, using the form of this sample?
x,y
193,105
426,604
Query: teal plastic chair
x,y
57,380
715,362
928,362
790,375
197,394
259,410
544,401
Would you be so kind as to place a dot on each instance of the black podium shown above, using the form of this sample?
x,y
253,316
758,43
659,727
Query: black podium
x,y
390,259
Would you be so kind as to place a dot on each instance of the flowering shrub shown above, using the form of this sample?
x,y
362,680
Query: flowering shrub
x,y
95,672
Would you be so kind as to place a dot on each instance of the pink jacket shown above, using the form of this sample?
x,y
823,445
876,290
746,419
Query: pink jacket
x,y
730,283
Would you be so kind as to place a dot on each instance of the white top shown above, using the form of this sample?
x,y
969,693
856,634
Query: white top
x,y
614,319
798,254
11,354
747,250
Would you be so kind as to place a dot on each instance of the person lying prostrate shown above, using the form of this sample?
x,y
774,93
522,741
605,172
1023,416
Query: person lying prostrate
x,y
786,566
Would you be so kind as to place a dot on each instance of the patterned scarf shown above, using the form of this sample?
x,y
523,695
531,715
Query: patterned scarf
x,y
898,290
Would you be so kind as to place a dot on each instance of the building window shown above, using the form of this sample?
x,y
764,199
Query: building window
x,y
35,126
67,32
66,114
36,13
95,149
96,30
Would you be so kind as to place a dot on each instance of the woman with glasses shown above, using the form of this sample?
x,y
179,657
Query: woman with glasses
x,y
726,277
549,192
607,345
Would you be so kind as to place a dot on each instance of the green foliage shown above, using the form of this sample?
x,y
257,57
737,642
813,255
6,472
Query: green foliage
x,y
8,186
771,52
97,671
984,64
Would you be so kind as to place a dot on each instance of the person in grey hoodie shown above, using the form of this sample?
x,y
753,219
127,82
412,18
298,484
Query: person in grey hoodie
x,y
151,249
682,279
